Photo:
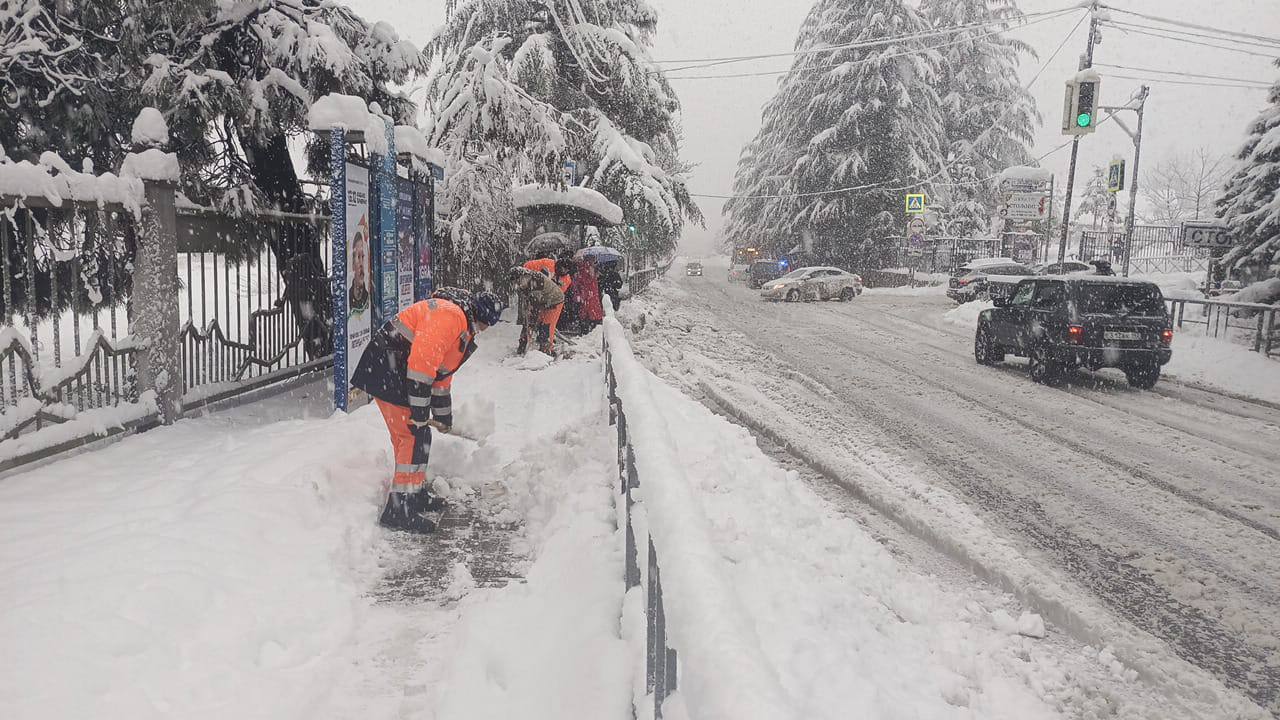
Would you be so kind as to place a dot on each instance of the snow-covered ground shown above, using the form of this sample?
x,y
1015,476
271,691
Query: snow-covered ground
x,y
1142,522
229,566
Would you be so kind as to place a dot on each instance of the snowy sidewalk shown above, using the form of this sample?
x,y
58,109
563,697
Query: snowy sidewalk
x,y
231,566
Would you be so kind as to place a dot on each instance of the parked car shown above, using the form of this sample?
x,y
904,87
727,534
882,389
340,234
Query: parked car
x,y
693,268
971,281
1063,268
1062,323
762,271
814,283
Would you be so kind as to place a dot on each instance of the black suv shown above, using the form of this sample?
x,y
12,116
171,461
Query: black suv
x,y
1061,323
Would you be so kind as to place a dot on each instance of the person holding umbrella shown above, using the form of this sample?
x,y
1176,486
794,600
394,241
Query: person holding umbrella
x,y
608,279
586,295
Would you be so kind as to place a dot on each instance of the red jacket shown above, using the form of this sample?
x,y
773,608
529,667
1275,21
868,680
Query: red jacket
x,y
586,292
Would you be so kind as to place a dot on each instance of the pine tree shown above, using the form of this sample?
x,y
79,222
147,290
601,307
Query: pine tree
x,y
989,117
1095,201
1250,203
577,75
850,117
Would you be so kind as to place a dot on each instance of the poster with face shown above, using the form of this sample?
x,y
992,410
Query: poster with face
x,y
359,283
404,226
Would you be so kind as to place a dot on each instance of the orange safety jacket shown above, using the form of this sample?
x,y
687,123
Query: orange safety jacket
x,y
412,358
547,266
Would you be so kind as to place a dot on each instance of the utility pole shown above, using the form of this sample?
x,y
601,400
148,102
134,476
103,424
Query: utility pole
x,y
1086,62
1133,183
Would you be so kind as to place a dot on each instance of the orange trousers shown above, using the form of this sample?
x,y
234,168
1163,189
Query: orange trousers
x,y
551,318
411,445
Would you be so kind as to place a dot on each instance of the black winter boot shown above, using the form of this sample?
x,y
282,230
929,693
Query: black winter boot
x,y
424,502
399,514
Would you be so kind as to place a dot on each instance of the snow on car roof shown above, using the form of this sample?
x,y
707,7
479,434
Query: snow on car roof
x,y
984,262
1108,279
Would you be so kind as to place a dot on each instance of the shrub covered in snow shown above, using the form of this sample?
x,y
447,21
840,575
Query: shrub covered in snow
x,y
1251,200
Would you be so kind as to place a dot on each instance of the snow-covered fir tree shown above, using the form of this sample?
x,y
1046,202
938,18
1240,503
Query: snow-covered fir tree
x,y
1095,200
526,85
858,116
989,117
1250,202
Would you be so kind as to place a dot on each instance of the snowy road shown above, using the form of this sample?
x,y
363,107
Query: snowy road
x,y
1164,506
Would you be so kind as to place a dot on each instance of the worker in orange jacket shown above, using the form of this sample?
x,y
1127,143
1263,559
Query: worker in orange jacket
x,y
561,271
408,368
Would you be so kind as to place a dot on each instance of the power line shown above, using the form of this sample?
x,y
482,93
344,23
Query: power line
x,y
1167,81
1195,26
1044,66
857,63
712,62
1124,27
1199,35
1184,74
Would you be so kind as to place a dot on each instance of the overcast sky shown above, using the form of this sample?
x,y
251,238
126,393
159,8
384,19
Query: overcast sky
x,y
720,116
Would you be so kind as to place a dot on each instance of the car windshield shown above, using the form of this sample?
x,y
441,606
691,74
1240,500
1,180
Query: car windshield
x,y
1116,299
796,274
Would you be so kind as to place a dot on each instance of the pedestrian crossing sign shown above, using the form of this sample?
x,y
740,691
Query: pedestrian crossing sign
x,y
915,204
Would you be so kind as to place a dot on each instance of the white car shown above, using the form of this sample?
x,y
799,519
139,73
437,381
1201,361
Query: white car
x,y
814,283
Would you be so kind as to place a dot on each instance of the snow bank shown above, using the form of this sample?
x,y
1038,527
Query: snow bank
x,y
908,291
724,675
966,315
149,129
1224,365
579,197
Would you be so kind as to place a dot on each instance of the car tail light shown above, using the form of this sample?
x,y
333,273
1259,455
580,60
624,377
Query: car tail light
x,y
1166,336
962,282
1075,334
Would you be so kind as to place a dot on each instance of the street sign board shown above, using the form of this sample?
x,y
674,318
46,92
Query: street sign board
x,y
1115,175
915,204
1024,206
1022,185
915,236
1206,234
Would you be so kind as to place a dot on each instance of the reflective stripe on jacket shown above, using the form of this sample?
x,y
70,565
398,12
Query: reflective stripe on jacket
x,y
411,359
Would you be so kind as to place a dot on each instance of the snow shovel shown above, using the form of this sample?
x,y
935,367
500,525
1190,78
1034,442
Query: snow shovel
x,y
450,431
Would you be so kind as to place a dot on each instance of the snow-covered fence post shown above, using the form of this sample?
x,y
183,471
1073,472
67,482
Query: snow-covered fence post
x,y
155,267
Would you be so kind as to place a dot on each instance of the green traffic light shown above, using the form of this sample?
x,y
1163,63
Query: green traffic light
x,y
1084,120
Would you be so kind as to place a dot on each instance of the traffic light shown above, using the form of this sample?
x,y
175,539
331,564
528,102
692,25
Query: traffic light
x,y
1080,107
632,228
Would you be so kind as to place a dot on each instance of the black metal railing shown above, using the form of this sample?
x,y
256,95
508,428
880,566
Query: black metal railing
x,y
1255,323
660,659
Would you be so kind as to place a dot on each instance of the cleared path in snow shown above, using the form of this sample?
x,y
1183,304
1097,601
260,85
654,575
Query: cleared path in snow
x,y
1165,505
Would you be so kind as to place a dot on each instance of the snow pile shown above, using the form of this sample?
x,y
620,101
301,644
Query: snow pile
x,y
583,198
966,315
149,129
153,164
349,112
1224,365
411,140
1177,285
909,291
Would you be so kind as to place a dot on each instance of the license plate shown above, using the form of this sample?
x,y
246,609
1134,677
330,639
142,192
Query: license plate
x,y
1120,335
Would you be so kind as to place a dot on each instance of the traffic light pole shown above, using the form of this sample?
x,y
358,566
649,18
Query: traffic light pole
x,y
1075,143
1133,183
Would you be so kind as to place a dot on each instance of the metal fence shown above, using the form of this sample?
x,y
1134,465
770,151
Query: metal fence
x,y
68,344
660,660
1156,249
246,318
64,343
1254,322
640,280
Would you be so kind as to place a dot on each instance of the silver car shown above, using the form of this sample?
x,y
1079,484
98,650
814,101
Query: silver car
x,y
814,283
